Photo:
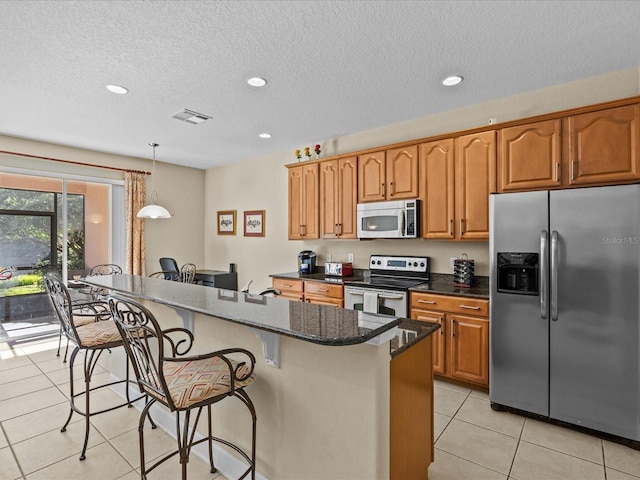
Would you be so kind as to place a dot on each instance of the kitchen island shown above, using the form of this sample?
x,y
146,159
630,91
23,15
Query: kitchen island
x,y
339,394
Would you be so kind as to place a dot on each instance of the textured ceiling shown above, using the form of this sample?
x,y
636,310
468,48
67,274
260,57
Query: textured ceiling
x,y
333,67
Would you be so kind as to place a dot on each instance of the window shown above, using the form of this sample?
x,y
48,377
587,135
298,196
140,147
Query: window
x,y
52,224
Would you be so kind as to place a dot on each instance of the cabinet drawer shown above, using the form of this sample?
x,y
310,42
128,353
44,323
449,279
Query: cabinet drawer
x,y
469,306
289,286
323,289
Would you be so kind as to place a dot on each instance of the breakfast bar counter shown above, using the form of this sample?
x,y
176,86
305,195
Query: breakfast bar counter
x,y
338,394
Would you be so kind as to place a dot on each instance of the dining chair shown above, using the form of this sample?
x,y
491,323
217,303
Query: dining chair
x,y
183,383
188,273
93,337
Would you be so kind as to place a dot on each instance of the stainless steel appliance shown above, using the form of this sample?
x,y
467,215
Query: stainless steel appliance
x,y
385,287
307,261
564,314
393,219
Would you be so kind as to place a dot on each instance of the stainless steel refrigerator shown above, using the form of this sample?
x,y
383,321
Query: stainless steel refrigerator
x,y
564,310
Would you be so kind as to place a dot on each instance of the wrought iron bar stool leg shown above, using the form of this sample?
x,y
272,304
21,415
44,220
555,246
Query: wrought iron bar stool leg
x,y
71,389
210,442
143,416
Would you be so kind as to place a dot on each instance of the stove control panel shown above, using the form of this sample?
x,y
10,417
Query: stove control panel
x,y
390,263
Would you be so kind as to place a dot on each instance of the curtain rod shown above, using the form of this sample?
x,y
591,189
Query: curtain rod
x,y
74,163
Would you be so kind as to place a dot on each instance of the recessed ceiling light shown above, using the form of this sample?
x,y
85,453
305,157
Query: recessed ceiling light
x,y
117,89
265,135
452,80
257,82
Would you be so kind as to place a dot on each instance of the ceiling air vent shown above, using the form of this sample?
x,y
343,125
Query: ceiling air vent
x,y
190,116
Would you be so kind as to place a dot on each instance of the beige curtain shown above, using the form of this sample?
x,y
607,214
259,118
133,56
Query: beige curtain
x,y
135,194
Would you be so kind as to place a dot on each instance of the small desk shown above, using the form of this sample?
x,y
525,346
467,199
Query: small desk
x,y
217,278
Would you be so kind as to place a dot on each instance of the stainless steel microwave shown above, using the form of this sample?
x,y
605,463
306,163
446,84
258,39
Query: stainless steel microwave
x,y
394,219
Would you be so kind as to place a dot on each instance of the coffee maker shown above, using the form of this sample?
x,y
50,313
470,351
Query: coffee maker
x,y
307,261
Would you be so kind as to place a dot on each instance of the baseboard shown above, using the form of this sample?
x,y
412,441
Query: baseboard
x,y
227,464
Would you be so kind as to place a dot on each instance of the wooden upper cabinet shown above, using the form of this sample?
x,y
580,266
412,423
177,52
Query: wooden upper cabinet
x,y
338,189
603,146
371,177
303,202
437,182
388,175
475,180
529,156
402,173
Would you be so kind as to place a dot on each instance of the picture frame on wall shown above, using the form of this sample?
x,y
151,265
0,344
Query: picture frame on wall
x,y
254,223
226,222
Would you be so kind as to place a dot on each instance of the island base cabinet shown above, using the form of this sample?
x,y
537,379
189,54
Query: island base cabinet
x,y
411,435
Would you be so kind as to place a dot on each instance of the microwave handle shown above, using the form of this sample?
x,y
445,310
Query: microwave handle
x,y
403,223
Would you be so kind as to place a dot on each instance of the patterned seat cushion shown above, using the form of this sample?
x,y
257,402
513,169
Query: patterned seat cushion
x,y
80,320
192,382
96,334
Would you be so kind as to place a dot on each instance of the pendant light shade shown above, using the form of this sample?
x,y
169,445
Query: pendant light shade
x,y
153,210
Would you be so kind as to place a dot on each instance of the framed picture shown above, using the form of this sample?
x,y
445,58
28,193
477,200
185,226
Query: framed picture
x,y
226,222
254,223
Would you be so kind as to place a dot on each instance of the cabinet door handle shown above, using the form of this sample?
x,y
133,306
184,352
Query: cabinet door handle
x,y
573,170
451,227
391,190
470,307
453,327
557,171
461,226
441,326
323,290
430,302
383,190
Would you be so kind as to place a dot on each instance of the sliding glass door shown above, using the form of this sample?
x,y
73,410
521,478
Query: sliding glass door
x,y
50,224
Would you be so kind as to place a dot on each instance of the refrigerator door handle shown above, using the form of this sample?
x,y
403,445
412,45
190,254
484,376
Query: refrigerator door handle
x,y
544,282
554,276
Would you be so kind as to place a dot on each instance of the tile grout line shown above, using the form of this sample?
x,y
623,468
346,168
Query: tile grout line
x,y
15,457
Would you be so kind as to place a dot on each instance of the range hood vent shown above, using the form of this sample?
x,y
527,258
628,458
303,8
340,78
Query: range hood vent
x,y
190,116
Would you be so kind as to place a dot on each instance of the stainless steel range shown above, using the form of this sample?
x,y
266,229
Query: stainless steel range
x,y
385,287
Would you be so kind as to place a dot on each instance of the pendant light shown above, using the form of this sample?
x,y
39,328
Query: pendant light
x,y
153,210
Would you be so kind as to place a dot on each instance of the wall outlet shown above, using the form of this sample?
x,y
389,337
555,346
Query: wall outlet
x,y
350,257
328,258
451,261
493,121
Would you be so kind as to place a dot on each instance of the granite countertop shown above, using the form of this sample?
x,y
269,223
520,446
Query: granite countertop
x,y
441,283
321,324
358,275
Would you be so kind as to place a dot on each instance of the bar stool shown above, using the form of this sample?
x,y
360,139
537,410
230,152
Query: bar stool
x,y
93,331
182,383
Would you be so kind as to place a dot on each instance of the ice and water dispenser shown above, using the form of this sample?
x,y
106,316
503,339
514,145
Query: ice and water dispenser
x,y
518,273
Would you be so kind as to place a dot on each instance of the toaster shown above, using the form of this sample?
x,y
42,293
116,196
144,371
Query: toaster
x,y
339,269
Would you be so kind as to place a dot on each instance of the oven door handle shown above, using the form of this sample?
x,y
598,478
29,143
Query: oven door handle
x,y
352,292
392,297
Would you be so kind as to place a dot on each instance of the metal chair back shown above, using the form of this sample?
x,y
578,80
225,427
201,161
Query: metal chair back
x,y
147,346
188,273
105,269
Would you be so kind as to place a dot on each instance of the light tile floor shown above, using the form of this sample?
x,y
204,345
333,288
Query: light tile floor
x,y
34,391
472,441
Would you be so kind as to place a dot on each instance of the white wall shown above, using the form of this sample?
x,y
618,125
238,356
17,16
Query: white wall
x,y
261,184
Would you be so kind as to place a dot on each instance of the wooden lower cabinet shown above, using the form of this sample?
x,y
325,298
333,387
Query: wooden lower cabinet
x,y
320,293
461,347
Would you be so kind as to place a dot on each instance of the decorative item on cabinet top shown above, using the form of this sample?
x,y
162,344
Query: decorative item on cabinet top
x,y
307,152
